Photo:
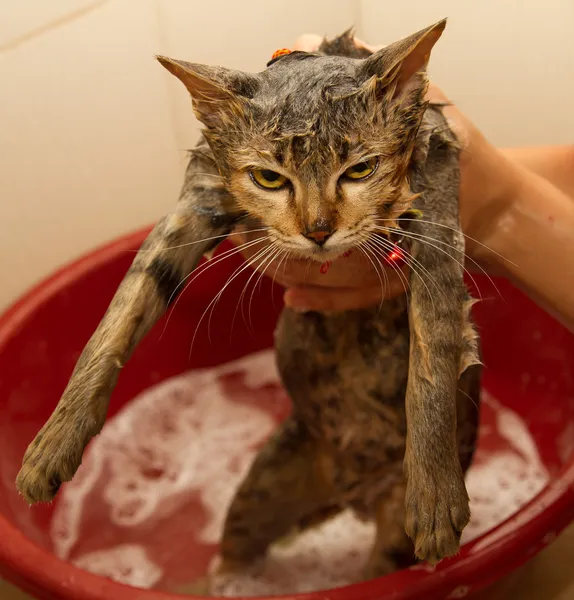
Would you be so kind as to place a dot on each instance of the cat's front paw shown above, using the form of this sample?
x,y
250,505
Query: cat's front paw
x,y
437,511
51,459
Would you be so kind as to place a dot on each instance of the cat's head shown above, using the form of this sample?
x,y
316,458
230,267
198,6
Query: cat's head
x,y
316,147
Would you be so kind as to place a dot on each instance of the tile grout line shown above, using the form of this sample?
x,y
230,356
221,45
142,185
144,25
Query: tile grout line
x,y
55,24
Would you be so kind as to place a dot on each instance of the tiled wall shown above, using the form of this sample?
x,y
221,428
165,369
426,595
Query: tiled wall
x,y
509,64
93,131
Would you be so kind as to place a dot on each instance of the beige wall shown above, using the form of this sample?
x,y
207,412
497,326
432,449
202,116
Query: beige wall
x,y
93,132
508,63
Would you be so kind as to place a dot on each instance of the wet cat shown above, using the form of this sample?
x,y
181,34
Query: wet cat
x,y
326,151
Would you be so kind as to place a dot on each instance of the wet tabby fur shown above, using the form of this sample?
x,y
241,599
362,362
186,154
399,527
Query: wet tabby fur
x,y
384,400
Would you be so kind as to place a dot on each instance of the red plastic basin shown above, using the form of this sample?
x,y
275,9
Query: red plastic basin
x,y
42,335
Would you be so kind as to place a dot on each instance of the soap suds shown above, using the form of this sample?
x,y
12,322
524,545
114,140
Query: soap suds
x,y
147,506
127,563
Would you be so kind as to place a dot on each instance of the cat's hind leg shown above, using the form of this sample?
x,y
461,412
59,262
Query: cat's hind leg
x,y
393,549
286,489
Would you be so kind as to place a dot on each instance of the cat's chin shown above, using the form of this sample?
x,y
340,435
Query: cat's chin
x,y
322,255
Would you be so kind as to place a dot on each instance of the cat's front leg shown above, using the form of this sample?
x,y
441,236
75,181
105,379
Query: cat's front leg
x,y
170,252
441,347
436,504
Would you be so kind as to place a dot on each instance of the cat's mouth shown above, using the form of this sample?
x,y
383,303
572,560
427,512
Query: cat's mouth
x,y
340,243
387,246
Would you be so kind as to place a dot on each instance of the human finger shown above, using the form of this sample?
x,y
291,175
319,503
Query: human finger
x,y
308,42
307,298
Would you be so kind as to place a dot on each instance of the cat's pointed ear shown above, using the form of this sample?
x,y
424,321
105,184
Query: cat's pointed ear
x,y
216,92
398,62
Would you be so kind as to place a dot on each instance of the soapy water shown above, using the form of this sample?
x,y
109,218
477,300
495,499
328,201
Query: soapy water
x,y
146,507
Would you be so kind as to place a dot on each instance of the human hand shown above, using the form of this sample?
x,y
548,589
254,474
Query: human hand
x,y
353,282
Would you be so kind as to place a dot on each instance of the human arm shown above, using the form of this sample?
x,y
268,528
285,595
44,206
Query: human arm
x,y
554,163
535,233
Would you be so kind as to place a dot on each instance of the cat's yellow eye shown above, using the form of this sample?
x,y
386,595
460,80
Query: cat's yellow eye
x,y
362,170
267,179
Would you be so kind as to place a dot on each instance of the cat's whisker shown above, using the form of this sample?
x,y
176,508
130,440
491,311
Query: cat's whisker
x,y
425,240
263,261
235,274
289,253
282,262
269,262
243,291
270,242
363,248
476,264
386,246
457,231
412,262
284,259
414,265
474,402
216,259
417,266
215,237
239,303
383,255
252,264
428,239
201,269
382,251
401,276
264,252
279,252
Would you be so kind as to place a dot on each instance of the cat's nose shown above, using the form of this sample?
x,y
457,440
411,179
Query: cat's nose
x,y
319,236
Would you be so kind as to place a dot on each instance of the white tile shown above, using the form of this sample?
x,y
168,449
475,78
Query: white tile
x,y
86,140
509,65
22,20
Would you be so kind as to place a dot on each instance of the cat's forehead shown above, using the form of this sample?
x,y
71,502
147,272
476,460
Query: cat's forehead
x,y
307,111
309,75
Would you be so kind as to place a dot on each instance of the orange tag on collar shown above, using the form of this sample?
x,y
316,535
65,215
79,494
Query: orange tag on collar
x,y
280,52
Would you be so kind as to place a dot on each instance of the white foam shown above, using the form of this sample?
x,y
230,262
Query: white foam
x,y
179,445
128,563
198,433
65,522
326,557
500,483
